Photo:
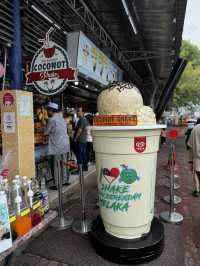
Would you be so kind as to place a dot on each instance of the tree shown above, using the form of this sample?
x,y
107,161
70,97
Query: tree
x,y
190,52
187,92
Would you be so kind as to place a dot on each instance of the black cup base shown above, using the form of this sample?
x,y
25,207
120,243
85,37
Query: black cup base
x,y
123,251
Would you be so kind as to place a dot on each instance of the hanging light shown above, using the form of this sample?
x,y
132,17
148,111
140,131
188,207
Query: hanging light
x,y
42,14
45,16
129,16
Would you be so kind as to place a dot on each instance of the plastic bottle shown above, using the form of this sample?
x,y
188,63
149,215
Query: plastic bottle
x,y
23,221
18,179
25,189
45,198
35,215
38,196
30,193
7,190
1,184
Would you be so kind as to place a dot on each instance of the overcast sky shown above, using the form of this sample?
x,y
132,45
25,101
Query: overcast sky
x,y
191,29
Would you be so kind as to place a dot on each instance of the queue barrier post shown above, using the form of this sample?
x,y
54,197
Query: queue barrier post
x,y
83,225
172,216
61,222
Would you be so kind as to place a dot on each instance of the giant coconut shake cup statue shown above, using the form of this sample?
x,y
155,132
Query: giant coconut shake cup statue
x,y
126,141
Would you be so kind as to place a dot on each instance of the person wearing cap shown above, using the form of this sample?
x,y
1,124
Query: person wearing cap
x,y
58,144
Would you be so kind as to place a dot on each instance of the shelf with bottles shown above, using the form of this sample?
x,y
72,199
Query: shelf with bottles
x,y
21,241
27,203
40,121
40,138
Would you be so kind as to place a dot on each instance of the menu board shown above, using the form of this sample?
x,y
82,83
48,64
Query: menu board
x,y
91,61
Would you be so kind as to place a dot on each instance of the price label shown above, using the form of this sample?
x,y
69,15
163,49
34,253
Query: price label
x,y
25,212
36,205
12,219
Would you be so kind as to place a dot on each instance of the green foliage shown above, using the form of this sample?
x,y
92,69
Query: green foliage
x,y
188,89
190,52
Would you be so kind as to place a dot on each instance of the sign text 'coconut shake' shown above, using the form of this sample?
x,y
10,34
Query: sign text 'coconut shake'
x,y
50,68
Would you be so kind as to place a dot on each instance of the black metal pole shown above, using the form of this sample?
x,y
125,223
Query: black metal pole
x,y
82,196
170,86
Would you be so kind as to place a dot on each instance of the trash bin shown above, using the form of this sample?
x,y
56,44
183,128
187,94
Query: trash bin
x,y
126,159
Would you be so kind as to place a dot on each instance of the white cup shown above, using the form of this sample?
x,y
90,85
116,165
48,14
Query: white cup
x,y
126,159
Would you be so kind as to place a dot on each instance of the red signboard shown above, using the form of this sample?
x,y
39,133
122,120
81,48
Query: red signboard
x,y
68,74
140,144
8,99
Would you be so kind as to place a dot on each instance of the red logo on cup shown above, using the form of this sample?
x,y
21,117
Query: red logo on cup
x,y
8,99
140,144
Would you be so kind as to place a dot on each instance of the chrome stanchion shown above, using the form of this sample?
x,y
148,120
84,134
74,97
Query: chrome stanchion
x,y
176,186
83,225
172,216
61,223
176,198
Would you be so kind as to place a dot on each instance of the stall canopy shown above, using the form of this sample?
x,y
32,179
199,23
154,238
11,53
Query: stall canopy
x,y
6,22
142,37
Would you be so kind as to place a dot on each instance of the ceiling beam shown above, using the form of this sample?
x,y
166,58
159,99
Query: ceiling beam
x,y
85,14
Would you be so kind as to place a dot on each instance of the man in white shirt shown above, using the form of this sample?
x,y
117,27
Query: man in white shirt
x,y
58,144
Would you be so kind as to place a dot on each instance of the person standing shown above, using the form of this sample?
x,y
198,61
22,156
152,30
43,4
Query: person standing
x,y
58,144
90,151
194,144
80,139
188,133
163,136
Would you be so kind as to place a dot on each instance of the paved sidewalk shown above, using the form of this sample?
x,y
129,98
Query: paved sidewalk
x,y
182,240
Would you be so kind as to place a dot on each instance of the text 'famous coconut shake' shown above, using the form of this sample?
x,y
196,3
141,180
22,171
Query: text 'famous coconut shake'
x,y
126,141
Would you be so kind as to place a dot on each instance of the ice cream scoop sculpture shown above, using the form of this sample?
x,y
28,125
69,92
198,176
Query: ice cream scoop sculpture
x,y
124,98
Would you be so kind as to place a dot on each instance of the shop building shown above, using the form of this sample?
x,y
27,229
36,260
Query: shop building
x,y
87,45
24,25
103,46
